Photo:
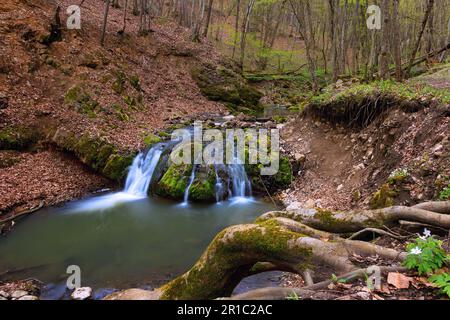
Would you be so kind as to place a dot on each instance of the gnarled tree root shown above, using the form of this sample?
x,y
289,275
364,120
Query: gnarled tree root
x,y
295,241
236,250
353,221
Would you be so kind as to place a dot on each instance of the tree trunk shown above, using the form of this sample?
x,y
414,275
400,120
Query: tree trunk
x,y
397,42
208,18
384,63
419,38
105,21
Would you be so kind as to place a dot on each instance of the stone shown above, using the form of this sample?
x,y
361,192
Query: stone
x,y
28,297
228,118
82,293
340,187
4,294
133,294
2,298
294,206
310,203
18,294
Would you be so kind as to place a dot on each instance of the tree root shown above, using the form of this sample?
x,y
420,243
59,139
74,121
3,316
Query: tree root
x,y
354,221
281,243
310,291
295,241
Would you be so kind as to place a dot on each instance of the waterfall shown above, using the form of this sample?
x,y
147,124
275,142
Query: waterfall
x,y
191,181
219,185
241,186
141,171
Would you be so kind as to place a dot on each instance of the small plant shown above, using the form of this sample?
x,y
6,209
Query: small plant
x,y
442,281
293,296
444,195
398,175
425,254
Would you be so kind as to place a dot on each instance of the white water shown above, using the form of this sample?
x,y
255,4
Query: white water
x,y
141,171
191,181
138,181
241,186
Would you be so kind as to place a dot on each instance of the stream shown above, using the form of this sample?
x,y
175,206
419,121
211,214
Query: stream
x,y
124,239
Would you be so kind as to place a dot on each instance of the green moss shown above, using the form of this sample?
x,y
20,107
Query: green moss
x,y
81,100
16,138
383,198
117,166
203,187
121,113
135,82
220,83
227,253
174,181
120,82
151,139
283,177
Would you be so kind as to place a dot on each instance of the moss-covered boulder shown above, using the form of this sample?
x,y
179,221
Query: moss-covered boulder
x,y
96,152
222,83
79,98
16,138
203,188
174,182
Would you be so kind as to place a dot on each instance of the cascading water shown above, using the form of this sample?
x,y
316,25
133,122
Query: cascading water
x,y
240,184
191,181
141,171
138,180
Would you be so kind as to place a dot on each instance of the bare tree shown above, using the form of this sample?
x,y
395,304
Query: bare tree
x,y
105,21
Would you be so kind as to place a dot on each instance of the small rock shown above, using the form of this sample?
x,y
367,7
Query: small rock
x,y
340,187
227,118
360,166
294,206
4,294
2,298
28,297
81,293
18,294
363,295
310,203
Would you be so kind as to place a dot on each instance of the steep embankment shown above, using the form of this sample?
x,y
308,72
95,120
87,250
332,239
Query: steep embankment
x,y
372,145
60,89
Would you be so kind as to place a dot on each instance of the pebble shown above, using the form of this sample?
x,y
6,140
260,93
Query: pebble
x,y
28,297
82,293
18,294
340,187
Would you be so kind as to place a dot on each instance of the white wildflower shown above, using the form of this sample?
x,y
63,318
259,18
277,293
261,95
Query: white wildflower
x,y
416,250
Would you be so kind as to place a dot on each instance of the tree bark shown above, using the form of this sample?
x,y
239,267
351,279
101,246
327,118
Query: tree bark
x,y
105,21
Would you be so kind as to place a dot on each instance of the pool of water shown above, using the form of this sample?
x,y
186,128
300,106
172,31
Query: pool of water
x,y
118,241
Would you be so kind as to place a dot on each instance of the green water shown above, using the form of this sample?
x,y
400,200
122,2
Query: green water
x,y
117,245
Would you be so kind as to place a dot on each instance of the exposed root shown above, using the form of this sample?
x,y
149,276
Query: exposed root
x,y
292,241
378,231
435,206
310,291
353,221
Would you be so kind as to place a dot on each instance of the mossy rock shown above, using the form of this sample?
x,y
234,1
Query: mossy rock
x,y
174,182
383,198
78,98
95,152
220,83
117,165
16,138
203,187
151,139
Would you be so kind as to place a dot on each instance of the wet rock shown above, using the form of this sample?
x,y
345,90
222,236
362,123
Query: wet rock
x,y
81,293
4,294
2,298
133,294
18,294
28,297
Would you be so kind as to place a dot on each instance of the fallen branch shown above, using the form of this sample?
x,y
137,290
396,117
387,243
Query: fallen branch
x,y
23,213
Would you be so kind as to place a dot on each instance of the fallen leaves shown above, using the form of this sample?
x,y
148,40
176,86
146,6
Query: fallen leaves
x,y
398,280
